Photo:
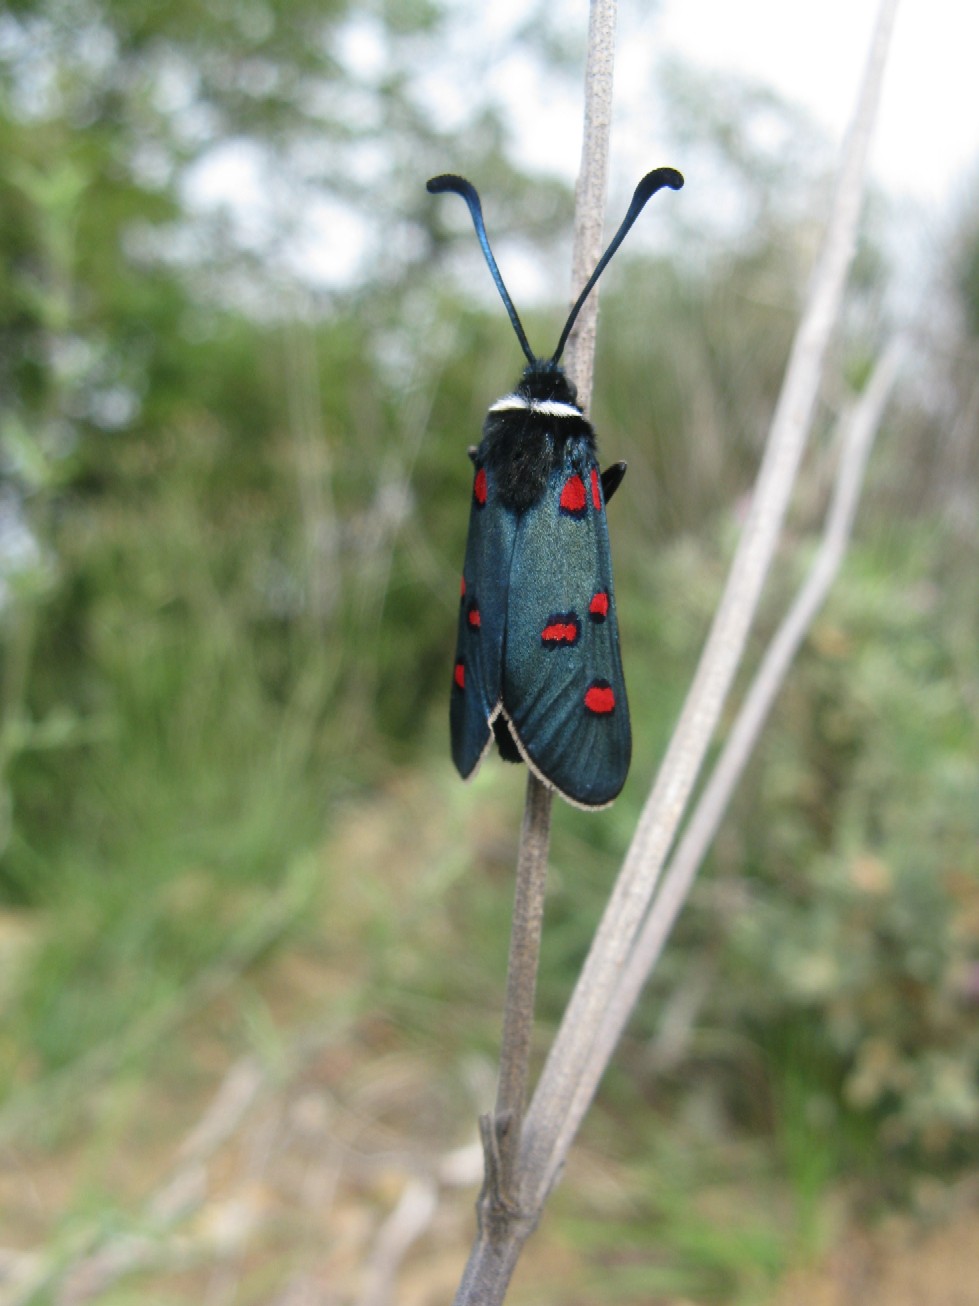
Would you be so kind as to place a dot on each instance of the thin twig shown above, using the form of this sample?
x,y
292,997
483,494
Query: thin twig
x,y
591,192
550,1125
518,1013
531,876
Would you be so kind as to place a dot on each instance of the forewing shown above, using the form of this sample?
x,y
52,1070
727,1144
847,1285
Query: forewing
x,y
477,671
563,688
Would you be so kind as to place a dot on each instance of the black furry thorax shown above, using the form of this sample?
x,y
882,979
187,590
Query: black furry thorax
x,y
523,442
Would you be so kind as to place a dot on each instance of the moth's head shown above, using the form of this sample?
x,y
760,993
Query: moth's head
x,y
543,378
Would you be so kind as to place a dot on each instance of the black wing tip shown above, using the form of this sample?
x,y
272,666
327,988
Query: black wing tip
x,y
581,799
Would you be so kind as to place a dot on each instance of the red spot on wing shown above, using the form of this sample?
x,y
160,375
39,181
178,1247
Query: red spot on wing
x,y
479,487
462,587
563,628
600,698
459,675
596,493
598,608
474,618
573,498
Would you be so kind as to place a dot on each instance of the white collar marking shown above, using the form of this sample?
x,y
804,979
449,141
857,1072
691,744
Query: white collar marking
x,y
545,407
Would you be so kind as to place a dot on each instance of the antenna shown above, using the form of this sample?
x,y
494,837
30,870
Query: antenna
x,y
650,184
468,192
647,188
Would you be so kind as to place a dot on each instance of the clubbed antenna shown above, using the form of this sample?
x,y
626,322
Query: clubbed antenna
x,y
647,188
650,184
468,192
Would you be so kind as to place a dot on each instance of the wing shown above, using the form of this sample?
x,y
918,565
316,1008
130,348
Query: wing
x,y
563,689
477,672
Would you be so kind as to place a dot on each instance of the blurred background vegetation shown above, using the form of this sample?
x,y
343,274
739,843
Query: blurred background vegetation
x,y
232,511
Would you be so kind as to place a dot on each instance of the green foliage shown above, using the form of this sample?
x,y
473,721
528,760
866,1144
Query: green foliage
x,y
196,544
878,942
847,920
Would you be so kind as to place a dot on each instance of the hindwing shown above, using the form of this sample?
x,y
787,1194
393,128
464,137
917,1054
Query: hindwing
x,y
477,672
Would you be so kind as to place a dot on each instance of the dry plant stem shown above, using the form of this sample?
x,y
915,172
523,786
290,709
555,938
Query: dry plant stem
x,y
518,1013
683,866
531,876
505,1222
591,192
559,1102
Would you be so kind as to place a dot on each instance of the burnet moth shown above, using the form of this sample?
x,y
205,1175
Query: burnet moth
x,y
537,664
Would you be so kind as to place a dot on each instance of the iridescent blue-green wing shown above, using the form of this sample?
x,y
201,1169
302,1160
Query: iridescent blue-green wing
x,y
563,689
477,671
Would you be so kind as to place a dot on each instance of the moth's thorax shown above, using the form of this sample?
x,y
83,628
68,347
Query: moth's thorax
x,y
532,431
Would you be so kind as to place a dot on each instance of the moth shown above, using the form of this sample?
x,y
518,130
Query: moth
x,y
537,664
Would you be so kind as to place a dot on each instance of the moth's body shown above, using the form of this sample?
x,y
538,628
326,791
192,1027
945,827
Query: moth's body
x,y
537,659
